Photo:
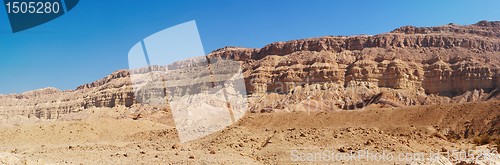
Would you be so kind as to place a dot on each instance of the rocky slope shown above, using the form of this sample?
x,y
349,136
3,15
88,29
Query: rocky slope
x,y
407,66
261,138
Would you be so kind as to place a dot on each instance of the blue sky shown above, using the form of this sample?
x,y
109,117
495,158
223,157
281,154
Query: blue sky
x,y
93,39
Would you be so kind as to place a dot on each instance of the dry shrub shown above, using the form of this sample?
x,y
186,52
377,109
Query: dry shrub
x,y
482,140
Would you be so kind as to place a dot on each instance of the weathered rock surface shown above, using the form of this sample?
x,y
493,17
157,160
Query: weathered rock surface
x,y
407,66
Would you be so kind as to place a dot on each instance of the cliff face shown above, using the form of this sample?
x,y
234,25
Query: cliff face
x,y
51,103
407,66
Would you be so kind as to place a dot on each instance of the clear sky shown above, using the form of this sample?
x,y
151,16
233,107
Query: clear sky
x,y
93,39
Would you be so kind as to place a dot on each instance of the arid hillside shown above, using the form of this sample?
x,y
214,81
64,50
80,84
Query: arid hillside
x,y
411,90
407,66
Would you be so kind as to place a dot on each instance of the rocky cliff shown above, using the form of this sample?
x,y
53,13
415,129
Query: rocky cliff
x,y
407,66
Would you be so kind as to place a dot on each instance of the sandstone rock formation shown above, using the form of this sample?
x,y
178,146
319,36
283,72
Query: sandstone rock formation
x,y
407,66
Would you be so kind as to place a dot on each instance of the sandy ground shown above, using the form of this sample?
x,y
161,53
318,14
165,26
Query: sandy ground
x,y
268,138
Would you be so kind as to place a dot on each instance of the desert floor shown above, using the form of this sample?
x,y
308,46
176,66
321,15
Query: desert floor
x,y
257,138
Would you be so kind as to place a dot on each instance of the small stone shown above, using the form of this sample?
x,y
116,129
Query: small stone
x,y
369,142
176,146
342,149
